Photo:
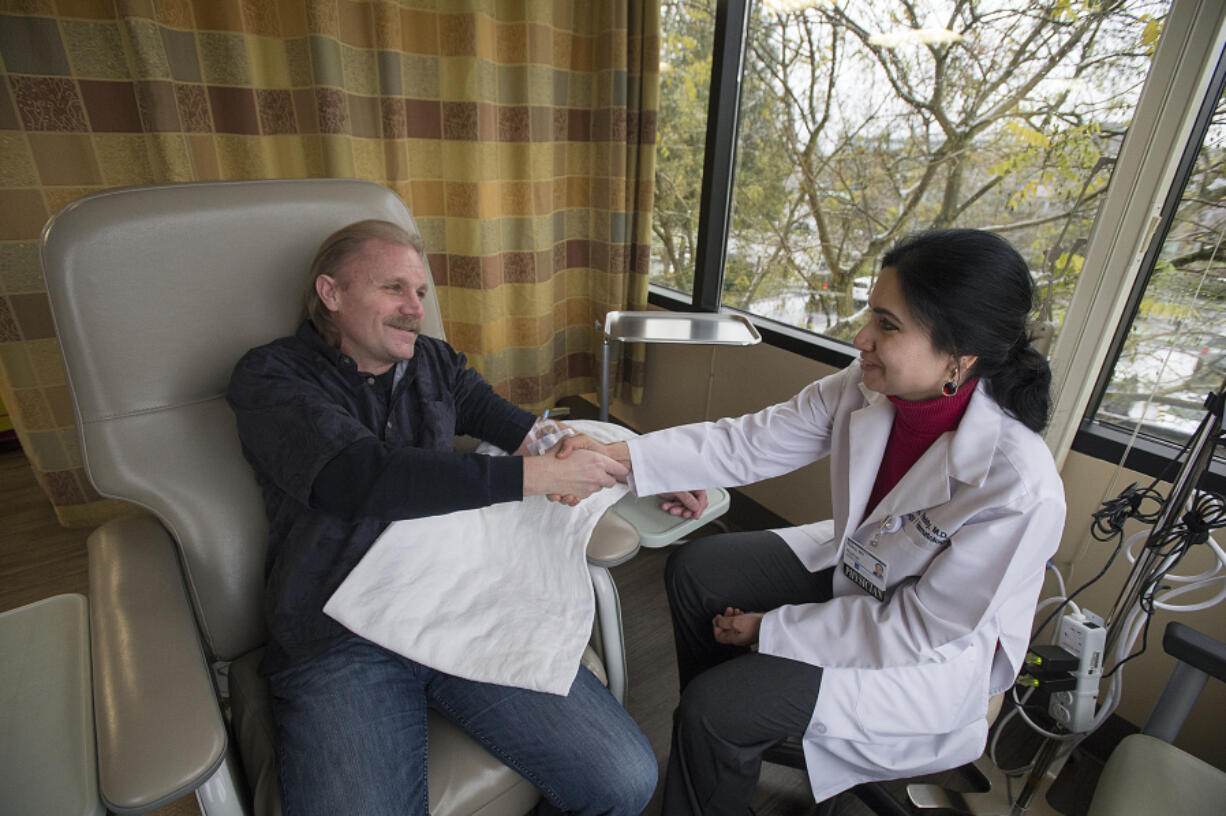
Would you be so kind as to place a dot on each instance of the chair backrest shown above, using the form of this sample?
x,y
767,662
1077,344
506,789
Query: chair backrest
x,y
156,292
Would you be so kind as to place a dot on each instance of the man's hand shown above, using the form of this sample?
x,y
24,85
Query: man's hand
x,y
578,476
737,628
688,504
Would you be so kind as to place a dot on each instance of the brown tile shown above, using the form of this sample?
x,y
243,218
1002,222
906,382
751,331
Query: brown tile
x,y
218,15
33,315
600,125
423,118
419,32
540,44
460,121
65,158
491,272
8,113
429,199
61,486
357,25
487,122
175,13
525,390
8,325
48,103
438,267
578,125
519,267
33,409
511,43
260,17
464,271
513,124
159,109
305,110
86,9
111,106
332,111
233,110
293,19
22,214
462,199
194,108
578,192
457,35
581,54
578,253
60,402
138,8
276,110
515,198
392,109
365,116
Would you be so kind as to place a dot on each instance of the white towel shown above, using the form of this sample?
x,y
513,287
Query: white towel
x,y
499,594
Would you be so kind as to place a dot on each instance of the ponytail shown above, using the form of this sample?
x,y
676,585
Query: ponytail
x,y
1022,386
973,292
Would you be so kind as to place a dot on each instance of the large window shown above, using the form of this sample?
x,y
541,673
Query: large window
x,y
1173,351
687,31
862,122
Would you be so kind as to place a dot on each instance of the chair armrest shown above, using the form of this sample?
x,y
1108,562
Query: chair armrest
x,y
1195,648
160,730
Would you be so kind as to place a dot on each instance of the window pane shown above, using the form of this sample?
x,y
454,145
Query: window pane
x,y
862,122
687,31
1175,352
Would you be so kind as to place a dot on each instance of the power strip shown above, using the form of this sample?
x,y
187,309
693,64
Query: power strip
x,y
1084,636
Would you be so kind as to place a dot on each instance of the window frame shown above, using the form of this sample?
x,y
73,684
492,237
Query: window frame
x,y
1073,426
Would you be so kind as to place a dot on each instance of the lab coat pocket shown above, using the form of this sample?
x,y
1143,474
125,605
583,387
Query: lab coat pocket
x,y
931,698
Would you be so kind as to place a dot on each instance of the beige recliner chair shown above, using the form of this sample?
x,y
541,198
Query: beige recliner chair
x,y
156,292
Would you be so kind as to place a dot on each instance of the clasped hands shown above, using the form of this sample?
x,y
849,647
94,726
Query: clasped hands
x,y
579,466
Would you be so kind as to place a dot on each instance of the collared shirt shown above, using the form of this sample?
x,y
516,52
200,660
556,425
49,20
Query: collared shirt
x,y
308,418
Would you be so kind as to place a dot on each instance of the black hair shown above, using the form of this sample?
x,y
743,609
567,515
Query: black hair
x,y
973,292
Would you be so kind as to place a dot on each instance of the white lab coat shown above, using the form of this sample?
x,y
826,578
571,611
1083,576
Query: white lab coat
x,y
965,536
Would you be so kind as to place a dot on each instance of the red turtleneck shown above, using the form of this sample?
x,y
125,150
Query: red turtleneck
x,y
916,426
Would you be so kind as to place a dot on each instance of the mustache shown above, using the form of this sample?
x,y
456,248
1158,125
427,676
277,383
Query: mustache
x,y
404,323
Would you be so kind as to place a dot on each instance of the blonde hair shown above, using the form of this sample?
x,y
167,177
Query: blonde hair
x,y
339,247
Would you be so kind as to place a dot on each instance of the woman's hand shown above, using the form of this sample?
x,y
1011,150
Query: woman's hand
x,y
688,504
737,628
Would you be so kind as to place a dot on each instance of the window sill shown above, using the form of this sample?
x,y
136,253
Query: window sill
x,y
1150,456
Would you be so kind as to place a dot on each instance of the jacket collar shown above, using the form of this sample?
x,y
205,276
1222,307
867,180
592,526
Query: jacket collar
x,y
963,455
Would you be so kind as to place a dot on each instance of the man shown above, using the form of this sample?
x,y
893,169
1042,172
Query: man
x,y
349,425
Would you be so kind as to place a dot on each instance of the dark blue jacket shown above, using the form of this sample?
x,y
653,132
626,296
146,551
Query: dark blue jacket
x,y
337,457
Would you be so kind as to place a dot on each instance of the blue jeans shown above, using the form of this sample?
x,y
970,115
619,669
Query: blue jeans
x,y
351,736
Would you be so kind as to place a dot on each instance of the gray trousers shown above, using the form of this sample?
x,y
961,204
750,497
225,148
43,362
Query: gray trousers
x,y
735,703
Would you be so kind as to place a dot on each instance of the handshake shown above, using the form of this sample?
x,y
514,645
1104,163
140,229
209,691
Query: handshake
x,y
571,466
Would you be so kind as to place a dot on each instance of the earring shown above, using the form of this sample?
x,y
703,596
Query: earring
x,y
951,385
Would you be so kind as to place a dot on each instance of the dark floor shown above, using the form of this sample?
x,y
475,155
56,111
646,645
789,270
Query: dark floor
x,y
38,558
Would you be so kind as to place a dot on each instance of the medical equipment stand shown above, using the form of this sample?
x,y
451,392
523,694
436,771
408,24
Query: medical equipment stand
x,y
1031,800
699,328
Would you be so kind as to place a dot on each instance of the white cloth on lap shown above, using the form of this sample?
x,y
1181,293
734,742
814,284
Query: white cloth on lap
x,y
499,594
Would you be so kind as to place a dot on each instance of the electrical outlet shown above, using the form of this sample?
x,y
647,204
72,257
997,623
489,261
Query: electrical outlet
x,y
1084,636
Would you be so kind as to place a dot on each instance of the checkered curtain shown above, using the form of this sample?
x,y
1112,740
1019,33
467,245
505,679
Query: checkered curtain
x,y
520,134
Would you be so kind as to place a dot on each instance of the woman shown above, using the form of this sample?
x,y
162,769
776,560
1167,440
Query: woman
x,y
880,634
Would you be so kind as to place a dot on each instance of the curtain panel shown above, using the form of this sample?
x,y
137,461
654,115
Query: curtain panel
x,y
520,133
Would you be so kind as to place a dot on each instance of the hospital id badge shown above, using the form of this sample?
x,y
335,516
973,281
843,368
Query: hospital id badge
x,y
864,569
